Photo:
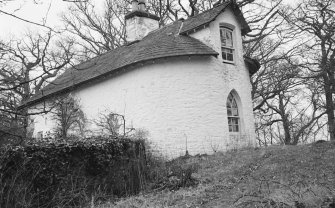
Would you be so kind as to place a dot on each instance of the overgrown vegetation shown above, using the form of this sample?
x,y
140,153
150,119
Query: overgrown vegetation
x,y
97,172
278,176
72,173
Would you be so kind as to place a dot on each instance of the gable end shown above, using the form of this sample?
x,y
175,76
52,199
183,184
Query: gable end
x,y
202,20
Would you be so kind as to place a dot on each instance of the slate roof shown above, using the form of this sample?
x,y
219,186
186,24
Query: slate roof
x,y
162,43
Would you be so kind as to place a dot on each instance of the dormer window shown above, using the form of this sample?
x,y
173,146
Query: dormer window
x,y
227,44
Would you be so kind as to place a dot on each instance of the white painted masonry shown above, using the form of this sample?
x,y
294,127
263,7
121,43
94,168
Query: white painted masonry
x,y
138,27
177,99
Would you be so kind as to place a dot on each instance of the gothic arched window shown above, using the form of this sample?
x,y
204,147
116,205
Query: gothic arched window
x,y
233,114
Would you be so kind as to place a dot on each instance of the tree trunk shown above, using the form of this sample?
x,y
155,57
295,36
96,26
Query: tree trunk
x,y
286,122
329,107
25,97
286,126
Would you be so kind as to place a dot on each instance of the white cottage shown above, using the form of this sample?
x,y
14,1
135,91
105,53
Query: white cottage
x,y
187,83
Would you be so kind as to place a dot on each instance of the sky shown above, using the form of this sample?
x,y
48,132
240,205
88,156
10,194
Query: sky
x,y
38,13
45,10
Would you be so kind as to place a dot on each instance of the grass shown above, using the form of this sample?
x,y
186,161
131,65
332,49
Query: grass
x,y
278,176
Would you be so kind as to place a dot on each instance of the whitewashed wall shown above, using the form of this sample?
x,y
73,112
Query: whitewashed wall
x,y
139,27
177,99
238,74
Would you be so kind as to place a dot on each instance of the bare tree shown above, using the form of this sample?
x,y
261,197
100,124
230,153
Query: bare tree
x,y
68,116
294,106
316,19
112,123
98,32
297,123
27,20
26,66
269,42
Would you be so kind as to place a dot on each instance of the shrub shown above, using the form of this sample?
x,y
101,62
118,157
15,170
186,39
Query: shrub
x,y
69,174
176,174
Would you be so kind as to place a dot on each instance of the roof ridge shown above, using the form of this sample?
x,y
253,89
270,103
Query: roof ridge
x,y
208,10
204,17
161,28
195,16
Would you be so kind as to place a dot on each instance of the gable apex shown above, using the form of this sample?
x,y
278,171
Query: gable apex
x,y
196,22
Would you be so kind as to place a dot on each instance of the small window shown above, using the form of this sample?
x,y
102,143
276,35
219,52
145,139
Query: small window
x,y
227,44
233,114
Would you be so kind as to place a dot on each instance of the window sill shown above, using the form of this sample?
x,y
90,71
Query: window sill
x,y
227,62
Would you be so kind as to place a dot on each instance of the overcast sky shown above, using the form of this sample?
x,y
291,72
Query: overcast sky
x,y
34,12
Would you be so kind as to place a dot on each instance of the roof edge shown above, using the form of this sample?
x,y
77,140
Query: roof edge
x,y
29,103
202,25
238,13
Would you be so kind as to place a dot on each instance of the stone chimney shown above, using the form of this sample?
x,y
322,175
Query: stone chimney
x,y
139,22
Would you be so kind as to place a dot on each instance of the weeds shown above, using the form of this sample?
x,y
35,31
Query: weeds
x,y
273,177
178,174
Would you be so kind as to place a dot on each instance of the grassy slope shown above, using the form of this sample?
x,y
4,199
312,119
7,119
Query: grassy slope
x,y
278,176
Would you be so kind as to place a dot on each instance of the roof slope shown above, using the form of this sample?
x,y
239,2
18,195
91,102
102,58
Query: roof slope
x,y
164,42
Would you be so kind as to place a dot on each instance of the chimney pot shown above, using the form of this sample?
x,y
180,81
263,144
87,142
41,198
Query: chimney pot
x,y
134,5
141,5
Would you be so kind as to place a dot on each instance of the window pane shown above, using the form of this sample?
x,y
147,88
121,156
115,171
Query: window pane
x,y
224,55
230,128
229,111
228,103
233,103
226,36
234,112
230,57
227,54
223,37
229,38
230,121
